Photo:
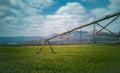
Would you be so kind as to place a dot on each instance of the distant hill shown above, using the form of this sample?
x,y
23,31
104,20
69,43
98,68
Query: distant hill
x,y
73,37
77,37
17,40
85,37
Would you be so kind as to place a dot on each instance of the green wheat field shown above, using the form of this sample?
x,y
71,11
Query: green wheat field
x,y
67,59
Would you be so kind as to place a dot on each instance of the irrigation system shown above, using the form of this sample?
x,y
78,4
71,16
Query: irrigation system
x,y
116,15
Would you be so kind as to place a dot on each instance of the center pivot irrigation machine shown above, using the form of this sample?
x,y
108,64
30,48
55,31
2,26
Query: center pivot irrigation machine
x,y
94,23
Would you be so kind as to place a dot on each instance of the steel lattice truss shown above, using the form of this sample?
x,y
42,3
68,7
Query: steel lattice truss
x,y
116,15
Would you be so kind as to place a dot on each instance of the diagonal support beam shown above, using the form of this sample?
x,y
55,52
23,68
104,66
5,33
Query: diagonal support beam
x,y
106,29
40,49
107,24
50,46
46,42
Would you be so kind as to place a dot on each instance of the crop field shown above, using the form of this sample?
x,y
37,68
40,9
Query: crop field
x,y
67,59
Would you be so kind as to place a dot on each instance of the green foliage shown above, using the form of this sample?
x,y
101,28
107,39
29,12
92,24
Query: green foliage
x,y
68,59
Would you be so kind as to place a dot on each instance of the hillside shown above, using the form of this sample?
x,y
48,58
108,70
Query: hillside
x,y
76,37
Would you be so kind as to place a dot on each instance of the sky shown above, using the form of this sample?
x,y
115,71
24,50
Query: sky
x,y
45,17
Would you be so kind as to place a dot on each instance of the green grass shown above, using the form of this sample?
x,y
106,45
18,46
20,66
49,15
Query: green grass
x,y
69,59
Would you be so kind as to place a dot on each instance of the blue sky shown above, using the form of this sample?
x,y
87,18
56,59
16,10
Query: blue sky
x,y
45,17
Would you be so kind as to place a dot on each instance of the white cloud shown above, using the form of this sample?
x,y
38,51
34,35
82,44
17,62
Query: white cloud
x,y
40,4
32,7
31,11
34,19
65,18
7,11
1,14
99,12
31,3
71,8
23,7
16,3
113,7
22,16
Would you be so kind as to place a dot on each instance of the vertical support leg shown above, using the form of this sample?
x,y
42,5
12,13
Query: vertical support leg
x,y
119,34
94,38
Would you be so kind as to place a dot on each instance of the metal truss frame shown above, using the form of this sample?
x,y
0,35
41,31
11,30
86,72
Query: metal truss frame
x,y
116,15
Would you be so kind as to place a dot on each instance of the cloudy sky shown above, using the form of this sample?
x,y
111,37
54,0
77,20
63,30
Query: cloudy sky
x,y
45,17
